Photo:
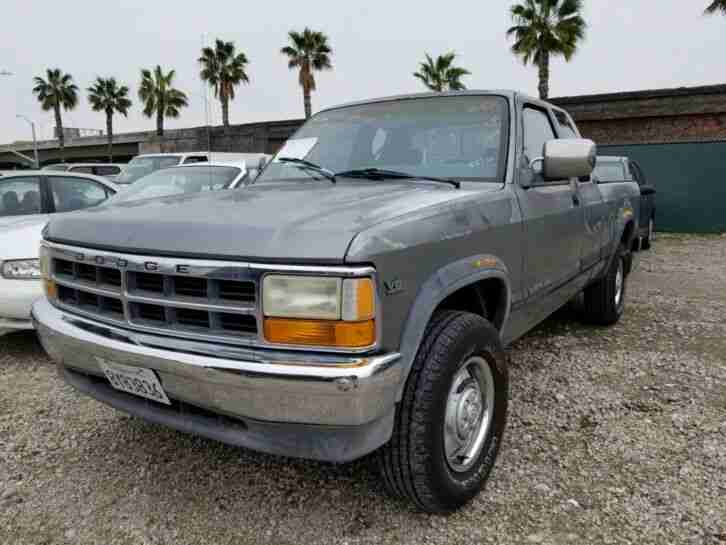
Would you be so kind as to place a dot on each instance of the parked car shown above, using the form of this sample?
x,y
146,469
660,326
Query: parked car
x,y
185,179
142,165
357,296
110,171
620,169
27,200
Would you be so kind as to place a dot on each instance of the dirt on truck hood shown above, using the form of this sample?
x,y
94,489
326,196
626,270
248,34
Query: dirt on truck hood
x,y
285,221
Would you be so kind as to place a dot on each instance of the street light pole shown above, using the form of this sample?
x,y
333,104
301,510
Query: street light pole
x,y
35,141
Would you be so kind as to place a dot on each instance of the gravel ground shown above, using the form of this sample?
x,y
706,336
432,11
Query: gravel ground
x,y
615,436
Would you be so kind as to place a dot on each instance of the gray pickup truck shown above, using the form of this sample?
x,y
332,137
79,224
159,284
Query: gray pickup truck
x,y
358,296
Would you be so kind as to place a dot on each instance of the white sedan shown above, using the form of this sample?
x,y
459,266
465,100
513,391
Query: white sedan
x,y
27,198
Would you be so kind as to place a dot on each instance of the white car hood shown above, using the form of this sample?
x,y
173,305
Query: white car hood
x,y
20,239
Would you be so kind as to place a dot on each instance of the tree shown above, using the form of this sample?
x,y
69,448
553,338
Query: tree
x,y
106,95
716,6
224,69
309,51
56,92
160,97
441,75
546,28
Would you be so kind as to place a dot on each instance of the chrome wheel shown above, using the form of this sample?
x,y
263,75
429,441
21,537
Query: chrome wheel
x,y
469,413
619,279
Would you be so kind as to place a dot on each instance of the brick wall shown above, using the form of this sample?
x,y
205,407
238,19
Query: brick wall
x,y
658,116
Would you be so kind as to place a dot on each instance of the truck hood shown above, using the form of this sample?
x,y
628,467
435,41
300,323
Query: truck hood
x,y
272,221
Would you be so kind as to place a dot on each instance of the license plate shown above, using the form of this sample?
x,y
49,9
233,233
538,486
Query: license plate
x,y
134,380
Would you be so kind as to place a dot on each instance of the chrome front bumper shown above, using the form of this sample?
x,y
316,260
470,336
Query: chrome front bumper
x,y
326,398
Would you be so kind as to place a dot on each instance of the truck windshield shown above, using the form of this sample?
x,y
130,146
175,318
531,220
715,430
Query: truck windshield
x,y
459,137
179,181
139,167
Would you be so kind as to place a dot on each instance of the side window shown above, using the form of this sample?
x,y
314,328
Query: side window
x,y
106,170
566,128
195,159
75,193
86,169
537,131
19,196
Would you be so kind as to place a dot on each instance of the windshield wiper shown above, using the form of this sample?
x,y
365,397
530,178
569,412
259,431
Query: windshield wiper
x,y
308,165
379,174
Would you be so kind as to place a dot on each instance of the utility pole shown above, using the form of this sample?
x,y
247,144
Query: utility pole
x,y
35,141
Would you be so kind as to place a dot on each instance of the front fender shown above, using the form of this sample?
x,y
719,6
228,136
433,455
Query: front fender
x,y
438,287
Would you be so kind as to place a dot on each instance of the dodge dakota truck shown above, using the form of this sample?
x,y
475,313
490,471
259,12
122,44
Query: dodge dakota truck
x,y
358,296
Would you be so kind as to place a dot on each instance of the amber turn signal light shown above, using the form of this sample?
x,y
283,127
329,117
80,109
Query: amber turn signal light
x,y
50,288
324,333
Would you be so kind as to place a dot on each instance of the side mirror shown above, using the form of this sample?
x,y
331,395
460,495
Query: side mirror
x,y
568,158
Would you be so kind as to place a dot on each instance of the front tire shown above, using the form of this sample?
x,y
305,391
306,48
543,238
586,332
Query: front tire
x,y
451,419
605,299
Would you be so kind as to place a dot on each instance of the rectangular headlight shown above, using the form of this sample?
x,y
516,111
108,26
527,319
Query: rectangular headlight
x,y
21,269
319,311
301,297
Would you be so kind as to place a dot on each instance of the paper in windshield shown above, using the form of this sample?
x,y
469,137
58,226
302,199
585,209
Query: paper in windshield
x,y
298,148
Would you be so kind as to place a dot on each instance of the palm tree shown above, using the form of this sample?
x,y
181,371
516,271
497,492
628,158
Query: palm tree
x,y
106,95
56,92
544,28
715,6
158,96
224,69
441,75
308,51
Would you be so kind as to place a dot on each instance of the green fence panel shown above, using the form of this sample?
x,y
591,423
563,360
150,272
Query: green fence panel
x,y
690,182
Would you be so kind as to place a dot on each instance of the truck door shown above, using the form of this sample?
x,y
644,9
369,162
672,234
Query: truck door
x,y
554,222
594,209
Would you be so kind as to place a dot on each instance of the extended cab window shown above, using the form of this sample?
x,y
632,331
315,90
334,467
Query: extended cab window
x,y
19,196
537,131
75,193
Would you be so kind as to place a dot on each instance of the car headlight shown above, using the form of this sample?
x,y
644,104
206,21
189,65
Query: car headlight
x,y
319,311
21,269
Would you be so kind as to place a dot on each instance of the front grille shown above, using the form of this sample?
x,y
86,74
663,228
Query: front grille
x,y
223,305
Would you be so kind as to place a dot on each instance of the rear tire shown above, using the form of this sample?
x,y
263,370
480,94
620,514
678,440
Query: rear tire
x,y
605,299
650,237
451,418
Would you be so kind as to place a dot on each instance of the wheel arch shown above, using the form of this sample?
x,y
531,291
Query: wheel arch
x,y
478,284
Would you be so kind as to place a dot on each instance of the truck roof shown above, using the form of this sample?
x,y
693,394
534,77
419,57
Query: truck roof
x,y
507,93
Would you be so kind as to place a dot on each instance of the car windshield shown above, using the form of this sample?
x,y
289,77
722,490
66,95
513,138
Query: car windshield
x,y
139,167
179,181
461,137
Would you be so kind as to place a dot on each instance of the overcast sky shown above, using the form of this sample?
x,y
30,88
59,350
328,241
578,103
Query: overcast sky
x,y
377,45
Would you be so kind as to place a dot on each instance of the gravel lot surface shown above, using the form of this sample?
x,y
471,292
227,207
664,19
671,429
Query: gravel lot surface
x,y
615,436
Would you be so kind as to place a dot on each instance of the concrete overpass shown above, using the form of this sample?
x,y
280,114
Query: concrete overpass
x,y
264,137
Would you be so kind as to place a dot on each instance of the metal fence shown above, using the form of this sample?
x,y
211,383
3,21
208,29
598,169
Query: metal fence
x,y
690,182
